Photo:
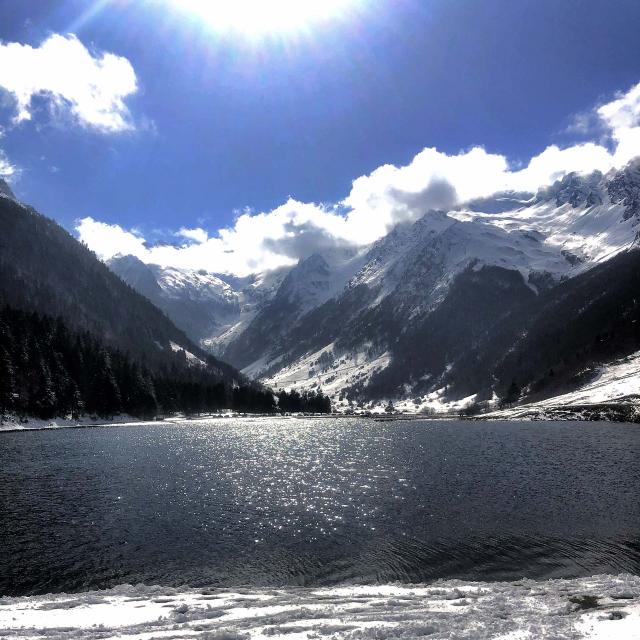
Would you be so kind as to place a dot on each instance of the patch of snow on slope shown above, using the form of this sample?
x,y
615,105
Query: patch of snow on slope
x,y
616,382
328,371
445,610
433,403
191,358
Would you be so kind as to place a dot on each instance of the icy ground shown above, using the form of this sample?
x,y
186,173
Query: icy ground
x,y
597,607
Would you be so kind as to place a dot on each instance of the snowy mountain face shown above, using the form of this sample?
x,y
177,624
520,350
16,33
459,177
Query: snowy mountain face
x,y
253,294
307,286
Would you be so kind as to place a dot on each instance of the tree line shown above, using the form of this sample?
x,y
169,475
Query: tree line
x,y
48,370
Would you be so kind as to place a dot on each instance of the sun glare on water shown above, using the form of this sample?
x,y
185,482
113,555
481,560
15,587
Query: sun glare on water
x,y
263,17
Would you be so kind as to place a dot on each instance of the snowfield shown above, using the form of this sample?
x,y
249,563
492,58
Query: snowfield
x,y
14,423
599,607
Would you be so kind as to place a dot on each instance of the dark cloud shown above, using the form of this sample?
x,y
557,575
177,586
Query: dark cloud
x,y
438,194
303,240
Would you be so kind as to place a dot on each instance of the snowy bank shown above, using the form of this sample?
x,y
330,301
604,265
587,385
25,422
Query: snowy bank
x,y
14,423
612,394
597,607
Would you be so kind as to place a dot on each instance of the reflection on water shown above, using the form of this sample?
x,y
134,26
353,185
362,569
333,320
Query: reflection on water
x,y
285,501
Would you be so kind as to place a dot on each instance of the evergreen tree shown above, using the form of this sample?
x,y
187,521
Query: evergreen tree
x,y
6,381
104,395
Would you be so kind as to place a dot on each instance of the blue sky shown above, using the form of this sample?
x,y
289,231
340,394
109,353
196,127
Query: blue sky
x,y
219,122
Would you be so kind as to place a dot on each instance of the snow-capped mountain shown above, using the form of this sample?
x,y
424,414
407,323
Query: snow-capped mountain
x,y
418,313
307,286
432,292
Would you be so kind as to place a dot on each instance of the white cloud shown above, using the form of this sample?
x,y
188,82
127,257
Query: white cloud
x,y
7,170
583,123
256,242
91,86
622,117
198,234
108,240
376,202
623,112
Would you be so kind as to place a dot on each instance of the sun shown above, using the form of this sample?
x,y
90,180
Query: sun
x,y
264,17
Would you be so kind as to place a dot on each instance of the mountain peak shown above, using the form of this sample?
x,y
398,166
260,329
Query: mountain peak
x,y
128,258
624,188
315,262
575,189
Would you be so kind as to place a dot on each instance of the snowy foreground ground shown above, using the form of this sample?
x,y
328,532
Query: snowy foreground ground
x,y
516,610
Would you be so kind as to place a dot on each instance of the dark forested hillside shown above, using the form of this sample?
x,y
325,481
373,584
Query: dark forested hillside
x,y
547,344
591,319
44,269
444,339
46,370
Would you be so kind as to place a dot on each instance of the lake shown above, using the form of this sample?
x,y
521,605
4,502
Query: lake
x,y
276,502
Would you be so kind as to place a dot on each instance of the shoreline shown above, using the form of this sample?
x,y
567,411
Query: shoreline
x,y
524,414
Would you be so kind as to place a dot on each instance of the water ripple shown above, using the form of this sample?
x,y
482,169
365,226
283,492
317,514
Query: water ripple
x,y
316,502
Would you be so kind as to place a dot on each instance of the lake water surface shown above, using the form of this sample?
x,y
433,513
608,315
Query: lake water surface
x,y
274,502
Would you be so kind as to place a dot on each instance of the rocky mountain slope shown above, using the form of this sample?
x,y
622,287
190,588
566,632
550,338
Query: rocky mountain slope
x,y
5,190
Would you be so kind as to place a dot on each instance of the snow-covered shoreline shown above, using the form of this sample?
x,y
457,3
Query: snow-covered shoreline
x,y
598,607
12,424
36,424
551,414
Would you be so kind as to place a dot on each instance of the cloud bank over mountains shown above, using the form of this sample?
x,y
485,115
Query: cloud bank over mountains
x,y
377,201
90,89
